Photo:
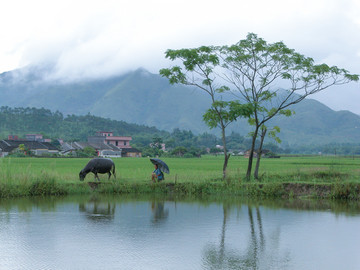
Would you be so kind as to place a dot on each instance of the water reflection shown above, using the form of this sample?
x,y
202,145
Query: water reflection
x,y
159,213
253,254
169,233
98,210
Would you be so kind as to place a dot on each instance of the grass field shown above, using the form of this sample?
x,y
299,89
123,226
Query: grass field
x,y
207,168
24,172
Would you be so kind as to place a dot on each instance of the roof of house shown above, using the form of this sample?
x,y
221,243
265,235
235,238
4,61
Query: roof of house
x,y
82,145
32,145
104,146
67,146
6,147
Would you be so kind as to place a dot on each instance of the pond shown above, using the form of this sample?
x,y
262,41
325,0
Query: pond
x,y
122,232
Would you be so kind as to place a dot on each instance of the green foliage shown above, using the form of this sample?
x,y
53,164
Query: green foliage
x,y
273,133
341,125
257,66
17,154
127,97
87,152
151,152
156,142
322,176
226,112
254,67
199,68
214,150
21,151
179,151
28,120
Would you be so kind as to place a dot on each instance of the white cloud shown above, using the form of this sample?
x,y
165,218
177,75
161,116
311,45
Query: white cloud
x,y
98,38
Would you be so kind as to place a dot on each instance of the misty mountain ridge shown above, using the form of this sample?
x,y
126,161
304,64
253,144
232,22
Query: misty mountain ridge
x,y
148,99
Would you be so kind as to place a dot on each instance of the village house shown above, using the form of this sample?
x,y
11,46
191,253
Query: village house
x,y
106,145
109,139
37,148
34,137
102,149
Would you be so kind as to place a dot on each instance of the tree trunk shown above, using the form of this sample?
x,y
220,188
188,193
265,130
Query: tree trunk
x,y
226,155
263,133
251,156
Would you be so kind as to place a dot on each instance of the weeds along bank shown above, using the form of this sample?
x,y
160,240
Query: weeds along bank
x,y
321,177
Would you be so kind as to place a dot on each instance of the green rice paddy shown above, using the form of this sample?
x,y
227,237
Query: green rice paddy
x,y
57,176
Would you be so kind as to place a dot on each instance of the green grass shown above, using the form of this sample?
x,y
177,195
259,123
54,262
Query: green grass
x,y
56,176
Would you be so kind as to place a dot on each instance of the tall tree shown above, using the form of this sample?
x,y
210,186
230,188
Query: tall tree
x,y
255,69
198,69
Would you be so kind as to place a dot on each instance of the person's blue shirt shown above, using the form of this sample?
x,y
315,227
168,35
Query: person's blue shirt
x,y
159,174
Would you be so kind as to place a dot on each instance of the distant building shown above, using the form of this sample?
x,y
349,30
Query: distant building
x,y
30,138
108,138
131,152
37,148
102,149
34,137
13,137
106,145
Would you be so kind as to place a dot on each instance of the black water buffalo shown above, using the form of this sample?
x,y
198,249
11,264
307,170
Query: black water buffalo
x,y
98,165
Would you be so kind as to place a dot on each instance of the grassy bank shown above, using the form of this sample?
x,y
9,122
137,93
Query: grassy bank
x,y
325,177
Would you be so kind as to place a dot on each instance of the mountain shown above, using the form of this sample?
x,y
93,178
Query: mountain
x,y
136,97
315,123
148,99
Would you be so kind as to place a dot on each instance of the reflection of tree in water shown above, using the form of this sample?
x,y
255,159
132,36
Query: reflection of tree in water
x,y
97,210
256,255
159,213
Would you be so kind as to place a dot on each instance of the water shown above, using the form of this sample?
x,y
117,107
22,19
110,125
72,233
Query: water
x,y
163,233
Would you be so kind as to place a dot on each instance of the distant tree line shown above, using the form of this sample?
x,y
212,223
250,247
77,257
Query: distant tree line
x,y
180,143
21,121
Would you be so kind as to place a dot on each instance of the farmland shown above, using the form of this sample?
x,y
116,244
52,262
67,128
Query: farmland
x,y
57,176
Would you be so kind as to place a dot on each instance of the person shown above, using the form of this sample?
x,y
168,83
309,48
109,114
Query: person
x,y
157,174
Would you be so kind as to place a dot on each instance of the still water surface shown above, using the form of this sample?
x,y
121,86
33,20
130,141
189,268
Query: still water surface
x,y
163,233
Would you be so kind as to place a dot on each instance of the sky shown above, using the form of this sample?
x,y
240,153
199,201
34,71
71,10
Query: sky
x,y
85,39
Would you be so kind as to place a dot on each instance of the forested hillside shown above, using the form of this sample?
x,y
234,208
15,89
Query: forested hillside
x,y
149,100
135,97
72,127
21,121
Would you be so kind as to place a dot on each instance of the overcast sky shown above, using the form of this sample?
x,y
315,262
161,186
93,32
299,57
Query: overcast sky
x,y
99,38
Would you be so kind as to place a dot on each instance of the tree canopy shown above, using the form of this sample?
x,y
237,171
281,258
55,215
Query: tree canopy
x,y
256,72
198,68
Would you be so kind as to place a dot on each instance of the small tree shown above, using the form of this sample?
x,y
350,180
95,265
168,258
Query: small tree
x,y
156,146
198,69
156,142
22,151
86,152
179,151
255,69
91,152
